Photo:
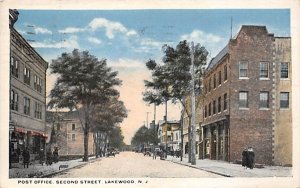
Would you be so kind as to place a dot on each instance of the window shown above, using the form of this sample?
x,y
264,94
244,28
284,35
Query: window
x,y
209,109
225,72
243,99
209,85
264,70
26,106
38,110
220,77
73,127
264,99
219,104
73,137
207,146
284,100
27,75
205,111
14,67
225,101
58,127
243,69
37,83
214,107
14,100
215,81
284,70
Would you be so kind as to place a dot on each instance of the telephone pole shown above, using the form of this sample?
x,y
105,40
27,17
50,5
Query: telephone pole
x,y
193,139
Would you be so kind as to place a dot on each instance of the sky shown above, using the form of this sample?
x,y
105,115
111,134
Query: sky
x,y
128,38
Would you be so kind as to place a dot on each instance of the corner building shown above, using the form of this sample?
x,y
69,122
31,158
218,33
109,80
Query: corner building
x,y
246,99
27,121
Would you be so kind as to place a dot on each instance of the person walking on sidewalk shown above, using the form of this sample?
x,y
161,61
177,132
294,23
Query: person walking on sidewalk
x,y
245,158
49,157
26,157
251,156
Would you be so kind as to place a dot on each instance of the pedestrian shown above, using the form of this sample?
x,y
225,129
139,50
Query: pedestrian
x,y
49,157
251,156
26,157
245,158
55,155
154,153
42,156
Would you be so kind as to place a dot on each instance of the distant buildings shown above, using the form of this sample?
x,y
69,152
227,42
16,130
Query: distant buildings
x,y
27,123
169,135
66,133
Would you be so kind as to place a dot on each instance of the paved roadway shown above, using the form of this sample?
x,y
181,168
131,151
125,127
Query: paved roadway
x,y
134,165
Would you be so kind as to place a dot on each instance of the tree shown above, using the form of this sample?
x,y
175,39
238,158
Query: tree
x,y
105,117
82,82
174,75
116,139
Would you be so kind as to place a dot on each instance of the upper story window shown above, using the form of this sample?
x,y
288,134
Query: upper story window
x,y
264,99
209,109
37,83
27,75
209,85
284,99
73,137
38,110
14,67
26,106
214,107
215,81
243,69
225,72
220,77
264,69
284,70
219,104
205,111
73,127
225,101
243,99
14,100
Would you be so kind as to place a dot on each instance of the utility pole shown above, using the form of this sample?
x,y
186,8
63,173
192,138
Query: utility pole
x,y
147,119
193,139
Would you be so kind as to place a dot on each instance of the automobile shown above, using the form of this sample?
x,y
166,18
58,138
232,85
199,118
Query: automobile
x,y
110,152
117,151
147,151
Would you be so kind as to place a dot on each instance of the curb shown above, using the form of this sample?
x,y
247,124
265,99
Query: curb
x,y
60,171
221,174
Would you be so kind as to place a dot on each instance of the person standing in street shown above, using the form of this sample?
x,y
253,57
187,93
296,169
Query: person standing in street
x,y
251,156
26,157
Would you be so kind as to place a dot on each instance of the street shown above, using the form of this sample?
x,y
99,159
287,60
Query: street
x,y
134,165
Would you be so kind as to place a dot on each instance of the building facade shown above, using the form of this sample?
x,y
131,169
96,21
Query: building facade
x,y
167,135
246,100
27,127
67,134
198,122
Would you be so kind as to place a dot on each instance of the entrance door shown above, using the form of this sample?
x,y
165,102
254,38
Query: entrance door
x,y
213,144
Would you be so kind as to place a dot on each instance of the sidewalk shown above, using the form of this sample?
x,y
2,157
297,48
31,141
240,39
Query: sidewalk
x,y
234,170
36,170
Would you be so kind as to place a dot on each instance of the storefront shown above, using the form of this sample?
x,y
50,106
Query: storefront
x,y
216,142
20,138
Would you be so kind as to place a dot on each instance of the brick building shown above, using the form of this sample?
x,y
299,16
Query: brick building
x,y
68,134
247,101
27,124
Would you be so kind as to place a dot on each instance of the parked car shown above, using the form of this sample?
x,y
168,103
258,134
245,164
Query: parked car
x,y
110,152
147,151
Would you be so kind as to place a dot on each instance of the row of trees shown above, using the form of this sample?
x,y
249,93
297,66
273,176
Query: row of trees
x,y
144,136
171,80
88,85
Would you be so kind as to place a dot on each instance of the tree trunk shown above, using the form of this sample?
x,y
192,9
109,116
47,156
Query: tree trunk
x,y
86,142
